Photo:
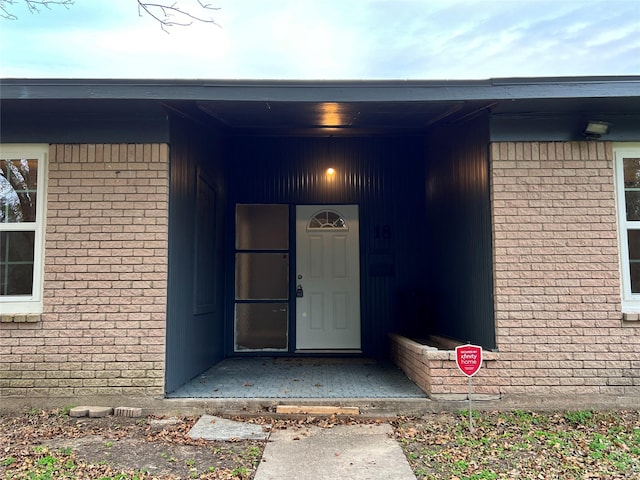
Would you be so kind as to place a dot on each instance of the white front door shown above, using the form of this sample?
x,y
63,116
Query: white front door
x,y
327,277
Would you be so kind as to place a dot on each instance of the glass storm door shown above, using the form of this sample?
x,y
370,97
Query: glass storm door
x,y
327,277
261,314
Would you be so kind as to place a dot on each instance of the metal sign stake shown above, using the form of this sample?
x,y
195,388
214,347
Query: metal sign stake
x,y
470,410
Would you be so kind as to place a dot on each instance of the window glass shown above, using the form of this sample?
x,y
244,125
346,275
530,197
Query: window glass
x,y
262,227
632,172
18,190
261,326
204,292
632,188
634,259
327,219
16,262
262,276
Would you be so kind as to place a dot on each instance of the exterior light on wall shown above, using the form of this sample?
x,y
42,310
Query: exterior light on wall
x,y
595,129
330,175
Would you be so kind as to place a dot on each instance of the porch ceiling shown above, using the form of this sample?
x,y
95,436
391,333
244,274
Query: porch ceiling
x,y
379,116
330,116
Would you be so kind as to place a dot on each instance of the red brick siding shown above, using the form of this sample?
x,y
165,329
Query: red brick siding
x,y
102,331
557,284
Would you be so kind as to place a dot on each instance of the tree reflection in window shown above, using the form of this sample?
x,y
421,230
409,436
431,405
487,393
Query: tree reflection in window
x,y
18,186
632,188
327,219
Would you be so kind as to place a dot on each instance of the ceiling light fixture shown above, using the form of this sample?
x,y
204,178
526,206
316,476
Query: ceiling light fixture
x,y
332,115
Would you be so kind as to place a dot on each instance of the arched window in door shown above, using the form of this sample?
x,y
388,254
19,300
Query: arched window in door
x,y
327,219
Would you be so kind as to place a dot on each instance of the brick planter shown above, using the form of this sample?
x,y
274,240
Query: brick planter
x,y
435,371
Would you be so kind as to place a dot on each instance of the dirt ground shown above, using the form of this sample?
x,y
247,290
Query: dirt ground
x,y
54,445
43,445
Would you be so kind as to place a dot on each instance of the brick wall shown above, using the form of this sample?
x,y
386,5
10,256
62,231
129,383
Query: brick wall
x,y
435,370
559,325
102,331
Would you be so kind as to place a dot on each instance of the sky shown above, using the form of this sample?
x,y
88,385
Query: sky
x,y
327,39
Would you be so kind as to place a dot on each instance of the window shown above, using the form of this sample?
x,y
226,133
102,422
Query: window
x,y
23,176
204,268
327,220
627,170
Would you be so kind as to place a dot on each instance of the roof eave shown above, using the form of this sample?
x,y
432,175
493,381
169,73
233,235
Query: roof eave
x,y
322,90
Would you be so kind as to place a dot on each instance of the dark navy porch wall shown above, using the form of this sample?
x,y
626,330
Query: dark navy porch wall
x,y
194,337
383,175
460,286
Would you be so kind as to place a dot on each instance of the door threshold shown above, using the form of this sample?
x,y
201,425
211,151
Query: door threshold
x,y
333,351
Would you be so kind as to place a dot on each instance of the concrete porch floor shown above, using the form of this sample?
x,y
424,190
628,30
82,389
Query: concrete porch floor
x,y
302,378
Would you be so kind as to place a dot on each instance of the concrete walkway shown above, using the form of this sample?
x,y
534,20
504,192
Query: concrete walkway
x,y
345,452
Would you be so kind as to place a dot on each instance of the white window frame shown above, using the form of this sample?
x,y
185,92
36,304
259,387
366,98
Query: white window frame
x,y
630,301
29,304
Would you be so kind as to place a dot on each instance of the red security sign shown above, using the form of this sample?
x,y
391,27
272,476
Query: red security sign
x,y
469,359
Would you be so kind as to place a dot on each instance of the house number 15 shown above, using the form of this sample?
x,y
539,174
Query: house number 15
x,y
383,231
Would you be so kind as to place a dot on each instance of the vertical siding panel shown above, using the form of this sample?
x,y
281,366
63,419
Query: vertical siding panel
x,y
458,205
195,340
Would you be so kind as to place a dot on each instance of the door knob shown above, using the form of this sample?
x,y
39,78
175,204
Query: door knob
x,y
299,291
